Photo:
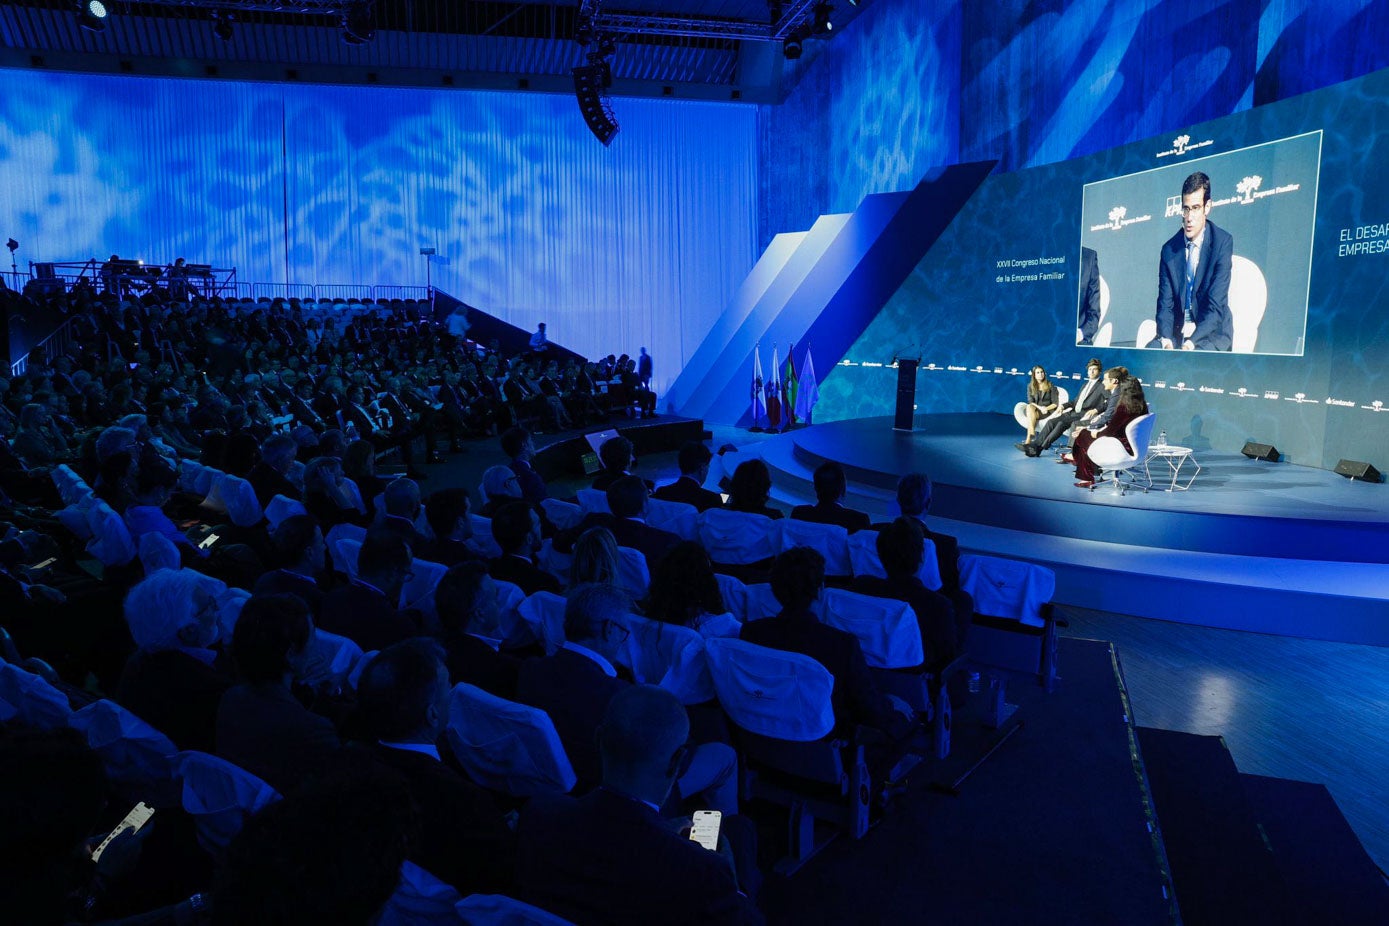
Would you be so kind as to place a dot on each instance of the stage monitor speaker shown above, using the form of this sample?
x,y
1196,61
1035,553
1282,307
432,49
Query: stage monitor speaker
x,y
906,394
1354,469
1255,451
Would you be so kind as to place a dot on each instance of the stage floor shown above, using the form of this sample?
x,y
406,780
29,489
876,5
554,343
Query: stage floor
x,y
1252,545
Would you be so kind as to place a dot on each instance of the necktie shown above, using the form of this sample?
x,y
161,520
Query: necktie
x,y
1190,279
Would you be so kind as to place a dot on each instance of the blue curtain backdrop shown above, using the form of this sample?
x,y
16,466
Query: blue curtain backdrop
x,y
640,244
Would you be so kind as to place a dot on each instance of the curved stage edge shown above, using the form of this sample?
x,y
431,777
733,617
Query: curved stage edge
x,y
1259,546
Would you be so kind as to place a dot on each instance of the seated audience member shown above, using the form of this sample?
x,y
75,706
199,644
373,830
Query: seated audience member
x,y
575,685
830,488
270,477
242,454
798,578
261,726
154,486
115,440
35,442
447,513
689,489
914,500
332,443
175,679
595,558
402,700
616,456
471,631
401,501
299,546
365,609
627,499
115,482
684,591
1086,405
359,465
500,486
330,852
326,495
902,547
1132,404
520,450
750,488
516,529
609,857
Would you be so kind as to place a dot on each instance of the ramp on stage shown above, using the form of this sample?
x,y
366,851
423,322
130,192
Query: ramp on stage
x,y
1259,546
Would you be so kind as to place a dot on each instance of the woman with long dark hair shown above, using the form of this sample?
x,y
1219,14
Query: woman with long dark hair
x,y
1042,399
1132,404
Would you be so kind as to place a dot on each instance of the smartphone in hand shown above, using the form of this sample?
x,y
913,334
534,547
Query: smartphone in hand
x,y
705,830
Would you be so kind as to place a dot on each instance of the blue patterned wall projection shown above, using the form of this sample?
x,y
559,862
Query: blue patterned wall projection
x,y
1305,45
872,113
639,244
983,318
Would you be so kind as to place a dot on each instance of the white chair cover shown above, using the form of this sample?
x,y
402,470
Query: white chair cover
x,y
71,489
347,557
718,625
500,910
677,517
759,602
562,515
593,501
110,543
419,898
632,575
239,499
344,552
507,747
670,656
771,692
830,540
863,553
887,629
1006,587
515,631
158,552
554,562
220,796
75,518
197,479
355,492
27,699
418,590
737,537
355,676
281,507
482,536
735,595
139,760
543,613
230,601
330,659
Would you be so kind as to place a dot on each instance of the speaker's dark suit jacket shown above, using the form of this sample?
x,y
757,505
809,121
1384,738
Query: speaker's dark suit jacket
x,y
689,492
608,859
1215,328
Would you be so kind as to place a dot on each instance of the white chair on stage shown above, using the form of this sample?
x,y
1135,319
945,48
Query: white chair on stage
x,y
1020,409
1121,468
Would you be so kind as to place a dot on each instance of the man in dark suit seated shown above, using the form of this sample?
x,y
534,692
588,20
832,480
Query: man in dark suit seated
x,y
261,726
364,610
616,455
402,701
575,685
470,630
798,578
914,499
267,477
627,501
520,449
447,513
689,488
298,544
516,529
830,488
609,857
902,547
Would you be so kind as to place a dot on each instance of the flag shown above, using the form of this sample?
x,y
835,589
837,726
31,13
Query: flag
x,y
790,387
759,403
773,389
808,392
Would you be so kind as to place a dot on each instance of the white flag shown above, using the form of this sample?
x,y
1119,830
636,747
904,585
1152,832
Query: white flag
x,y
759,403
809,392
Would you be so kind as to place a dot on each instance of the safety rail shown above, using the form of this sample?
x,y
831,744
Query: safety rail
x,y
56,344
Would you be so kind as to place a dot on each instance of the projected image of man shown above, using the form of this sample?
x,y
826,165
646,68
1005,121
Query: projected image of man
x,y
1193,303
1088,310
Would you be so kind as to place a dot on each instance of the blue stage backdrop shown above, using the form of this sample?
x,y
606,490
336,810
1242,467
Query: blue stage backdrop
x,y
640,244
998,292
912,84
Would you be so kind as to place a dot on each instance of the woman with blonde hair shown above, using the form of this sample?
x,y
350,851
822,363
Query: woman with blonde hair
x,y
595,558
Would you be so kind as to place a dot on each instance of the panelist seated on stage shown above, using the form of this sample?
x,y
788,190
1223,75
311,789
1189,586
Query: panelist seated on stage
x,y
1132,404
830,487
1089,402
1194,278
1042,399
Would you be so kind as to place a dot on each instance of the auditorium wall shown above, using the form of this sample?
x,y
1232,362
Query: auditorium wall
x,y
319,184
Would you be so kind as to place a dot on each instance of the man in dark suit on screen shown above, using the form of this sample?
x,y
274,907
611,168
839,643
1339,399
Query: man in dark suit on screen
x,y
1194,278
1088,313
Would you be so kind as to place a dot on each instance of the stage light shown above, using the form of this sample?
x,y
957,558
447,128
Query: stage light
x,y
91,15
359,24
222,27
822,17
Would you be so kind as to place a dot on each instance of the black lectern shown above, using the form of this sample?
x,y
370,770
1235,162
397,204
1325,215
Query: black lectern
x,y
906,393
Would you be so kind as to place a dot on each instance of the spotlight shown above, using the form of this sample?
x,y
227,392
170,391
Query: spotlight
x,y
359,24
822,17
91,15
222,27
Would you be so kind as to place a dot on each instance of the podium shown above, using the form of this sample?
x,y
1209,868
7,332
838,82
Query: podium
x,y
906,393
